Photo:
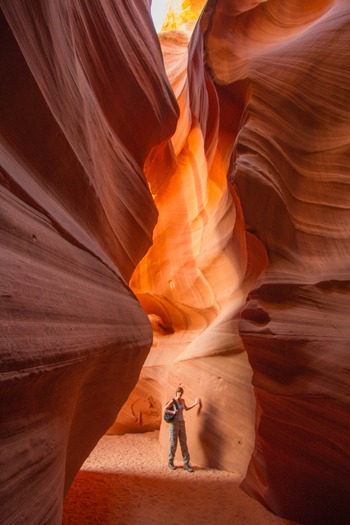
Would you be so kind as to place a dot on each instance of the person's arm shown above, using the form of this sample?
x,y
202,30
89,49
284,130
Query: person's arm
x,y
167,409
197,401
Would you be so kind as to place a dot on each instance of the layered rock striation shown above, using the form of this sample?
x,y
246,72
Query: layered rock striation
x,y
269,111
76,217
291,172
200,179
194,279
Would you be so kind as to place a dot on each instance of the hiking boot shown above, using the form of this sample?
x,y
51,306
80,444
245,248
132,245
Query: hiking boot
x,y
188,467
171,466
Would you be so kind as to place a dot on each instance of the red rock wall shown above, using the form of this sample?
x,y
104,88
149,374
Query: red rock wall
x,y
291,172
276,121
247,279
82,104
195,277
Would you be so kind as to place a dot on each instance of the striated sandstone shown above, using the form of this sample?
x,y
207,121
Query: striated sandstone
x,y
291,170
195,277
279,80
76,217
235,178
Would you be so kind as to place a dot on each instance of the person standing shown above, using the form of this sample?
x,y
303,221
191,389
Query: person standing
x,y
178,429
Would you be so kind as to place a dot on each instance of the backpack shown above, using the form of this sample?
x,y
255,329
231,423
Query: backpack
x,y
170,417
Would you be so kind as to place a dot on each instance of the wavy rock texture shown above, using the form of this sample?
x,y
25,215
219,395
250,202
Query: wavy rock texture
x,y
89,126
291,172
195,277
279,79
76,217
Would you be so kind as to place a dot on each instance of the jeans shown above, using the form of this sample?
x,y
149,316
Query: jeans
x,y
178,431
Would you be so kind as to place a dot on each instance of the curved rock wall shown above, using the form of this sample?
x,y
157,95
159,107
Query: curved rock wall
x,y
236,176
195,277
291,171
272,115
76,217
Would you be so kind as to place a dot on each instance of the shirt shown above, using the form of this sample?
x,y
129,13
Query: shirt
x,y
180,416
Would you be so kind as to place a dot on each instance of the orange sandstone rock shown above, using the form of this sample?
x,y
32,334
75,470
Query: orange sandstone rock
x,y
195,277
236,177
279,129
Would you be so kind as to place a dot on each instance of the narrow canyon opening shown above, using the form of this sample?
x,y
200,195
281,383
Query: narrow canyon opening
x,y
194,279
192,283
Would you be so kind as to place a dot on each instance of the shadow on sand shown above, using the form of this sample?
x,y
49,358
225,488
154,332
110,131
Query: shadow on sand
x,y
173,498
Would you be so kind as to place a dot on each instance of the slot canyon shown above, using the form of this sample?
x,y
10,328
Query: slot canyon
x,y
175,210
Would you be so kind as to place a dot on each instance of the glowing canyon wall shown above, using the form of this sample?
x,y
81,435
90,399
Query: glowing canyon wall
x,y
200,179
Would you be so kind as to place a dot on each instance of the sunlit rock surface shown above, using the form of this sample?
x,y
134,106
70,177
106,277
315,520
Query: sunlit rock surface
x,y
279,79
76,217
195,277
246,213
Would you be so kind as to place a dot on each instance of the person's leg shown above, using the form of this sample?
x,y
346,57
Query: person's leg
x,y
173,436
183,443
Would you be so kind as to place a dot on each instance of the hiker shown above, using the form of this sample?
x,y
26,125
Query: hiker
x,y
176,406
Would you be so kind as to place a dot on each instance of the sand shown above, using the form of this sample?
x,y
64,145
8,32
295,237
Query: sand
x,y
126,481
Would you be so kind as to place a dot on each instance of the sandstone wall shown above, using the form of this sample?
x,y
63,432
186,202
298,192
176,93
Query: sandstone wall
x,y
76,217
291,172
269,111
212,197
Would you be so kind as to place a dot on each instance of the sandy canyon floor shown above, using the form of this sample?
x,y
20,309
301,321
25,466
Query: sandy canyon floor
x,y
126,481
